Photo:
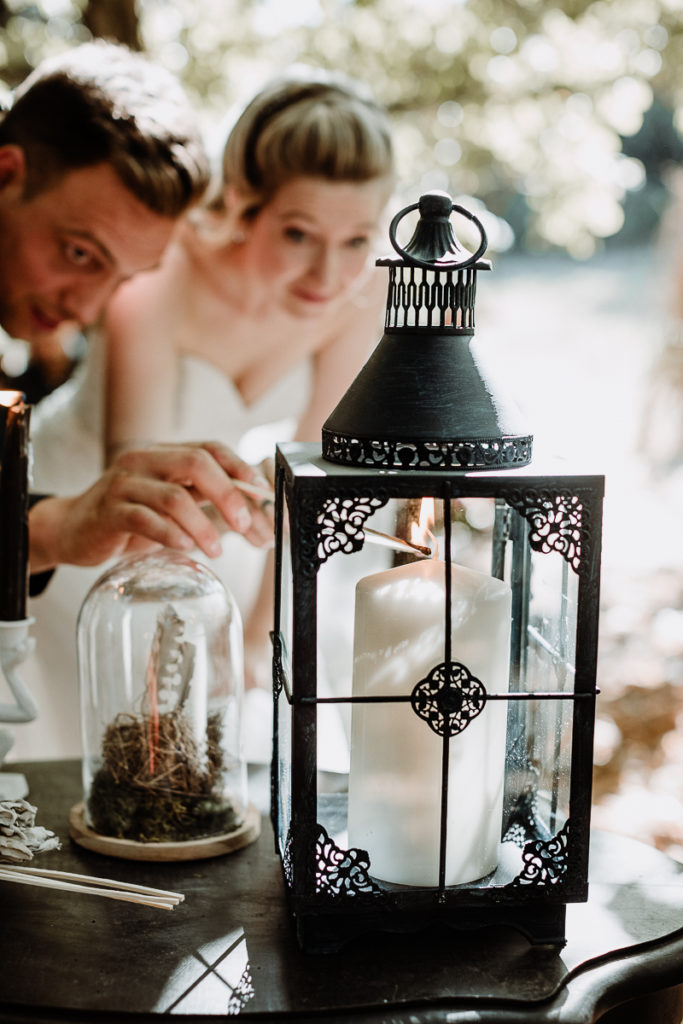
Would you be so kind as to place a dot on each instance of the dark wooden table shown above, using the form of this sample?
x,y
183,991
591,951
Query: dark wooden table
x,y
229,948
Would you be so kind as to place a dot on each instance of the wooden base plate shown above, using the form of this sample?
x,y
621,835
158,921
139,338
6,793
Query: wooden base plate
x,y
191,849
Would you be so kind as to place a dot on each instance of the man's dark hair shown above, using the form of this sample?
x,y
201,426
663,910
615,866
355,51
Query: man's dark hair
x,y
102,103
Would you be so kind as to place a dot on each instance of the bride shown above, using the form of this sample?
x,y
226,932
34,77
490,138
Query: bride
x,y
262,311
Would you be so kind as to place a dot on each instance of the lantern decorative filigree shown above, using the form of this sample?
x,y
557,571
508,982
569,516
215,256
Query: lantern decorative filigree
x,y
464,683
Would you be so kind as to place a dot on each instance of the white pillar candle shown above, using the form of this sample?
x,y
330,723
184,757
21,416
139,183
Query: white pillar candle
x,y
396,757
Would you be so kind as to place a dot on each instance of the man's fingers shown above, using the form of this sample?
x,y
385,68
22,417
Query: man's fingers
x,y
161,511
206,470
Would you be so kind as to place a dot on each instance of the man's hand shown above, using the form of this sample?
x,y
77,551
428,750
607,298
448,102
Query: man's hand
x,y
150,497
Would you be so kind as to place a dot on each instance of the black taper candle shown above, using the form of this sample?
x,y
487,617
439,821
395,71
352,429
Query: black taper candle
x,y
14,508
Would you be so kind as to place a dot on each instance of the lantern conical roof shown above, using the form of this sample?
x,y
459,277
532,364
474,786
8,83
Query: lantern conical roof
x,y
427,398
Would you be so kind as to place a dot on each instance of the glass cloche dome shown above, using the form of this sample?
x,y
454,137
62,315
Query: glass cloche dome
x,y
160,656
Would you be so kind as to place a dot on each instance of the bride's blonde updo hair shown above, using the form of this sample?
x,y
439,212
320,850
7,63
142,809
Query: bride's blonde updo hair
x,y
309,122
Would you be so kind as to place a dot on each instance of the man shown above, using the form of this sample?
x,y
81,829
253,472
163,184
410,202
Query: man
x,y
99,156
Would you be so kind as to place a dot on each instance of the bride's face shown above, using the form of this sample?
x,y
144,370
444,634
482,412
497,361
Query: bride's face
x,y
310,243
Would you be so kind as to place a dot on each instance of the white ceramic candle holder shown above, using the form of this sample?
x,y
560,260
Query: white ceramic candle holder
x,y
15,647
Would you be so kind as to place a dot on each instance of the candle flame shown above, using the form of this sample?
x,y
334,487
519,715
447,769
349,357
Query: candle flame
x,y
421,531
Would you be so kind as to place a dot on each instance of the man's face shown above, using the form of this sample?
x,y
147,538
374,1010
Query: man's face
x,y
63,252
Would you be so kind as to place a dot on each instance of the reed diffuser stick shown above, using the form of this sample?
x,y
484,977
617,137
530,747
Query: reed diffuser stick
x,y
163,899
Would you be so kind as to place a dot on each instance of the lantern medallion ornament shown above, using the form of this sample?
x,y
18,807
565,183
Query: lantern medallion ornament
x,y
433,716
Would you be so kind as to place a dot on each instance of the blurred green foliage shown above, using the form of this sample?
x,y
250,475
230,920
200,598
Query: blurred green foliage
x,y
521,106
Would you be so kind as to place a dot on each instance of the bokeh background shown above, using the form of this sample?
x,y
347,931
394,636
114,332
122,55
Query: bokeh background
x,y
559,123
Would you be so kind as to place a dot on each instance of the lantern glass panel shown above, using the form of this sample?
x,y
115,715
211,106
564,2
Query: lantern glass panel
x,y
480,749
339,574
532,762
539,745
550,666
286,601
283,706
284,767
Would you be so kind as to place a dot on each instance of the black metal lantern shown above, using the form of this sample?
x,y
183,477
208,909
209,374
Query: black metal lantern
x,y
466,682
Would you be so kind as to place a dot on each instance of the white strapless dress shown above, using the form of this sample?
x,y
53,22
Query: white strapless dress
x,y
66,431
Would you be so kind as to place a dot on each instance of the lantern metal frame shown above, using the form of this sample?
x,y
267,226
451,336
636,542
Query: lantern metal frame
x,y
321,510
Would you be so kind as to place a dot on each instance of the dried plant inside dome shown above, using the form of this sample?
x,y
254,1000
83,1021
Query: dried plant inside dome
x,y
159,781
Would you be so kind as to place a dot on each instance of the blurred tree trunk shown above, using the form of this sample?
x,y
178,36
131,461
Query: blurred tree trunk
x,y
113,19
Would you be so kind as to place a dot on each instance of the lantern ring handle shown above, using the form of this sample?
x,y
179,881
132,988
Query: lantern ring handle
x,y
416,261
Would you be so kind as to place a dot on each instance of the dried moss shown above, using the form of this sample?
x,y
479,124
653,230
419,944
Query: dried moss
x,y
156,786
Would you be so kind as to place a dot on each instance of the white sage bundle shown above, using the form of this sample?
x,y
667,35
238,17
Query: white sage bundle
x,y
20,837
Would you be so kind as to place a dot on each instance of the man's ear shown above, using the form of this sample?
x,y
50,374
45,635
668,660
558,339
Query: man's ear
x,y
12,170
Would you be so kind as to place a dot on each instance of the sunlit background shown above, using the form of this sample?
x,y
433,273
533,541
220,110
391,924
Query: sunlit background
x,y
559,123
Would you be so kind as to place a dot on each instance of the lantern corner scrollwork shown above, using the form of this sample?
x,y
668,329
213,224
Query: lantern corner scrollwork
x,y
545,862
558,522
340,522
343,872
